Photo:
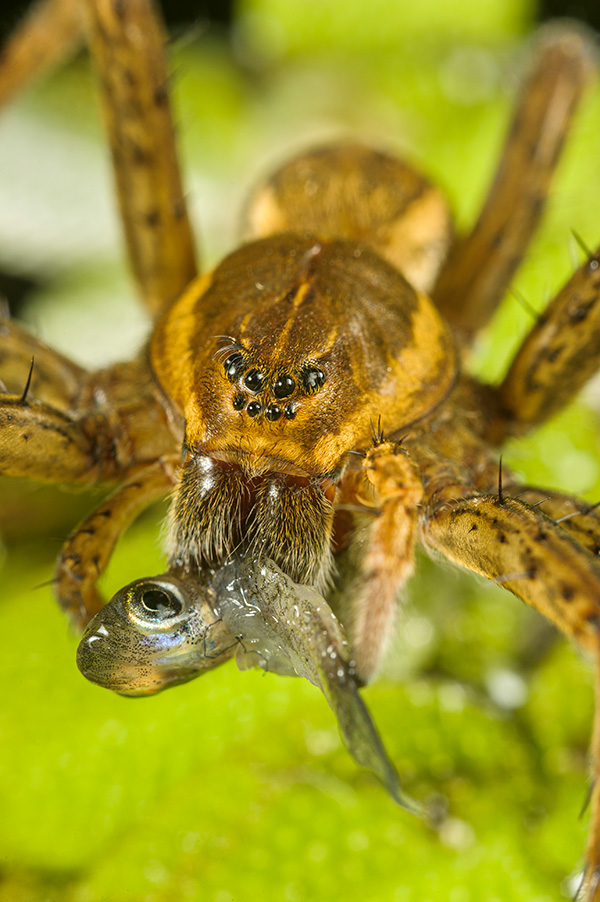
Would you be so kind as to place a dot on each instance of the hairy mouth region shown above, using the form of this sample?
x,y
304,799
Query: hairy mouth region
x,y
258,469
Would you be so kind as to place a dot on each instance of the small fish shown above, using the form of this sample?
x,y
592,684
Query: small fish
x,y
155,633
165,630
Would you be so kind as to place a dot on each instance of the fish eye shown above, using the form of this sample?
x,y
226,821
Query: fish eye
x,y
154,603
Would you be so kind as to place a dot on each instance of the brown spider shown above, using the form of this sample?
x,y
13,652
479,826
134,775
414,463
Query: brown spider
x,y
314,386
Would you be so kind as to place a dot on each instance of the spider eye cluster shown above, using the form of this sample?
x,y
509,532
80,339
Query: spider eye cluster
x,y
266,386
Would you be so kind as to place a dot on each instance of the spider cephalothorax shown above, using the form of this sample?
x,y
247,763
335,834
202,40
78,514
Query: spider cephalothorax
x,y
313,380
298,312
264,480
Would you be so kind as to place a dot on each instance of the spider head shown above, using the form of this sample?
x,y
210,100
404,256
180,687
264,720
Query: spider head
x,y
280,361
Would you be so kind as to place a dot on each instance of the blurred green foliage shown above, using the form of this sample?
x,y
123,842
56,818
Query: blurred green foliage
x,y
236,787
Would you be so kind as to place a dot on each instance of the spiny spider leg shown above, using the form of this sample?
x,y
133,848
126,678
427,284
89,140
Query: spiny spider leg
x,y
480,266
38,441
127,45
519,547
116,423
51,31
558,356
579,518
86,553
55,379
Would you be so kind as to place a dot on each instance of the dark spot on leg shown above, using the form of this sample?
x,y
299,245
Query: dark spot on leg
x,y
532,385
567,593
161,95
140,156
579,314
576,310
537,205
497,240
554,353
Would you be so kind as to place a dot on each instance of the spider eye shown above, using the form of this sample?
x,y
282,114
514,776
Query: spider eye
x,y
284,386
313,378
254,380
254,408
273,412
154,604
234,366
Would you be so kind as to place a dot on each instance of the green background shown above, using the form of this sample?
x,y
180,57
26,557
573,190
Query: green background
x,y
236,787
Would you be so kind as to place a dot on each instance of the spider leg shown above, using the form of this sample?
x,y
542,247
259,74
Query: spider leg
x,y
521,548
55,379
518,546
389,556
86,553
590,888
480,266
116,423
40,442
558,356
580,519
51,31
127,45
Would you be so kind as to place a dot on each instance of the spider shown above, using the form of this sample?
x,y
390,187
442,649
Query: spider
x,y
306,400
